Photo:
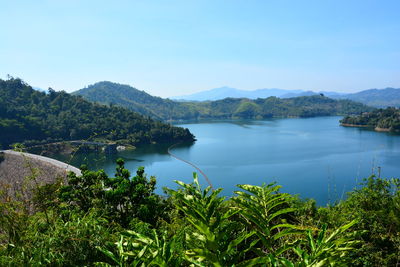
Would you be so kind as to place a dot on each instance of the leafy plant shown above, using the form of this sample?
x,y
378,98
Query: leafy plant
x,y
134,249
63,243
121,198
262,208
376,206
209,243
132,197
325,250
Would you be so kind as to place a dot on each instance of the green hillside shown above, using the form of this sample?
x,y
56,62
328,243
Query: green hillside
x,y
27,114
159,108
136,100
304,106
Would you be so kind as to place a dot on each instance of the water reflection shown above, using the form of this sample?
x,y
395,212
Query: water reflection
x,y
241,122
142,156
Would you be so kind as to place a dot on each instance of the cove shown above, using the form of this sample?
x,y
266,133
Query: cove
x,y
313,157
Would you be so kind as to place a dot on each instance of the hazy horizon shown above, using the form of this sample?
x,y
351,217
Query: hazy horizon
x,y
210,89
179,47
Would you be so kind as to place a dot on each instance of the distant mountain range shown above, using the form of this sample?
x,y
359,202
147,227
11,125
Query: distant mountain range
x,y
270,106
224,92
388,97
372,97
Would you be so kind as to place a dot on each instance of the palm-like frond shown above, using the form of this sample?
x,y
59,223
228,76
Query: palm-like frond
x,y
211,241
262,208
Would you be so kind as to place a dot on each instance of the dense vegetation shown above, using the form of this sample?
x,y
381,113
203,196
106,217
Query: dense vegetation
x,y
388,119
156,107
27,114
304,106
136,100
98,220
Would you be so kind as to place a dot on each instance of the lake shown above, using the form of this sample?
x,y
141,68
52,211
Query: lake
x,y
313,157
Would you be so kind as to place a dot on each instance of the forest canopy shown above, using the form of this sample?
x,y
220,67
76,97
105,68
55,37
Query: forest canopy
x,y
27,114
388,119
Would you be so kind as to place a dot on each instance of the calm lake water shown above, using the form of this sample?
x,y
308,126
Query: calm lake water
x,y
313,157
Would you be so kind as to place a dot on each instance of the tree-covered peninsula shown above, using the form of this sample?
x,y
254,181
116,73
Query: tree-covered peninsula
x,y
229,108
27,115
387,120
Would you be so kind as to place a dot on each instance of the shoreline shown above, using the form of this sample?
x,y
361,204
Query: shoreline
x,y
356,125
376,129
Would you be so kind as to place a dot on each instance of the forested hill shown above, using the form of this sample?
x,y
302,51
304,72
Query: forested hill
x,y
136,100
156,107
27,114
382,120
304,106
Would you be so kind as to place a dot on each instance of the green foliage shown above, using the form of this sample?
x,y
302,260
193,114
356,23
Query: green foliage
x,y
136,100
262,207
85,191
45,197
135,249
98,220
377,207
165,109
18,147
13,219
63,243
388,118
134,197
247,109
208,242
121,198
219,238
326,250
29,115
265,209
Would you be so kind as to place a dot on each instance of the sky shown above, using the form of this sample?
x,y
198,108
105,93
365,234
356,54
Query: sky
x,y
172,48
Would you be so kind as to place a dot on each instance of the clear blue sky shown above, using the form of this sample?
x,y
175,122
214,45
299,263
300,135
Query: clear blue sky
x,y
172,48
